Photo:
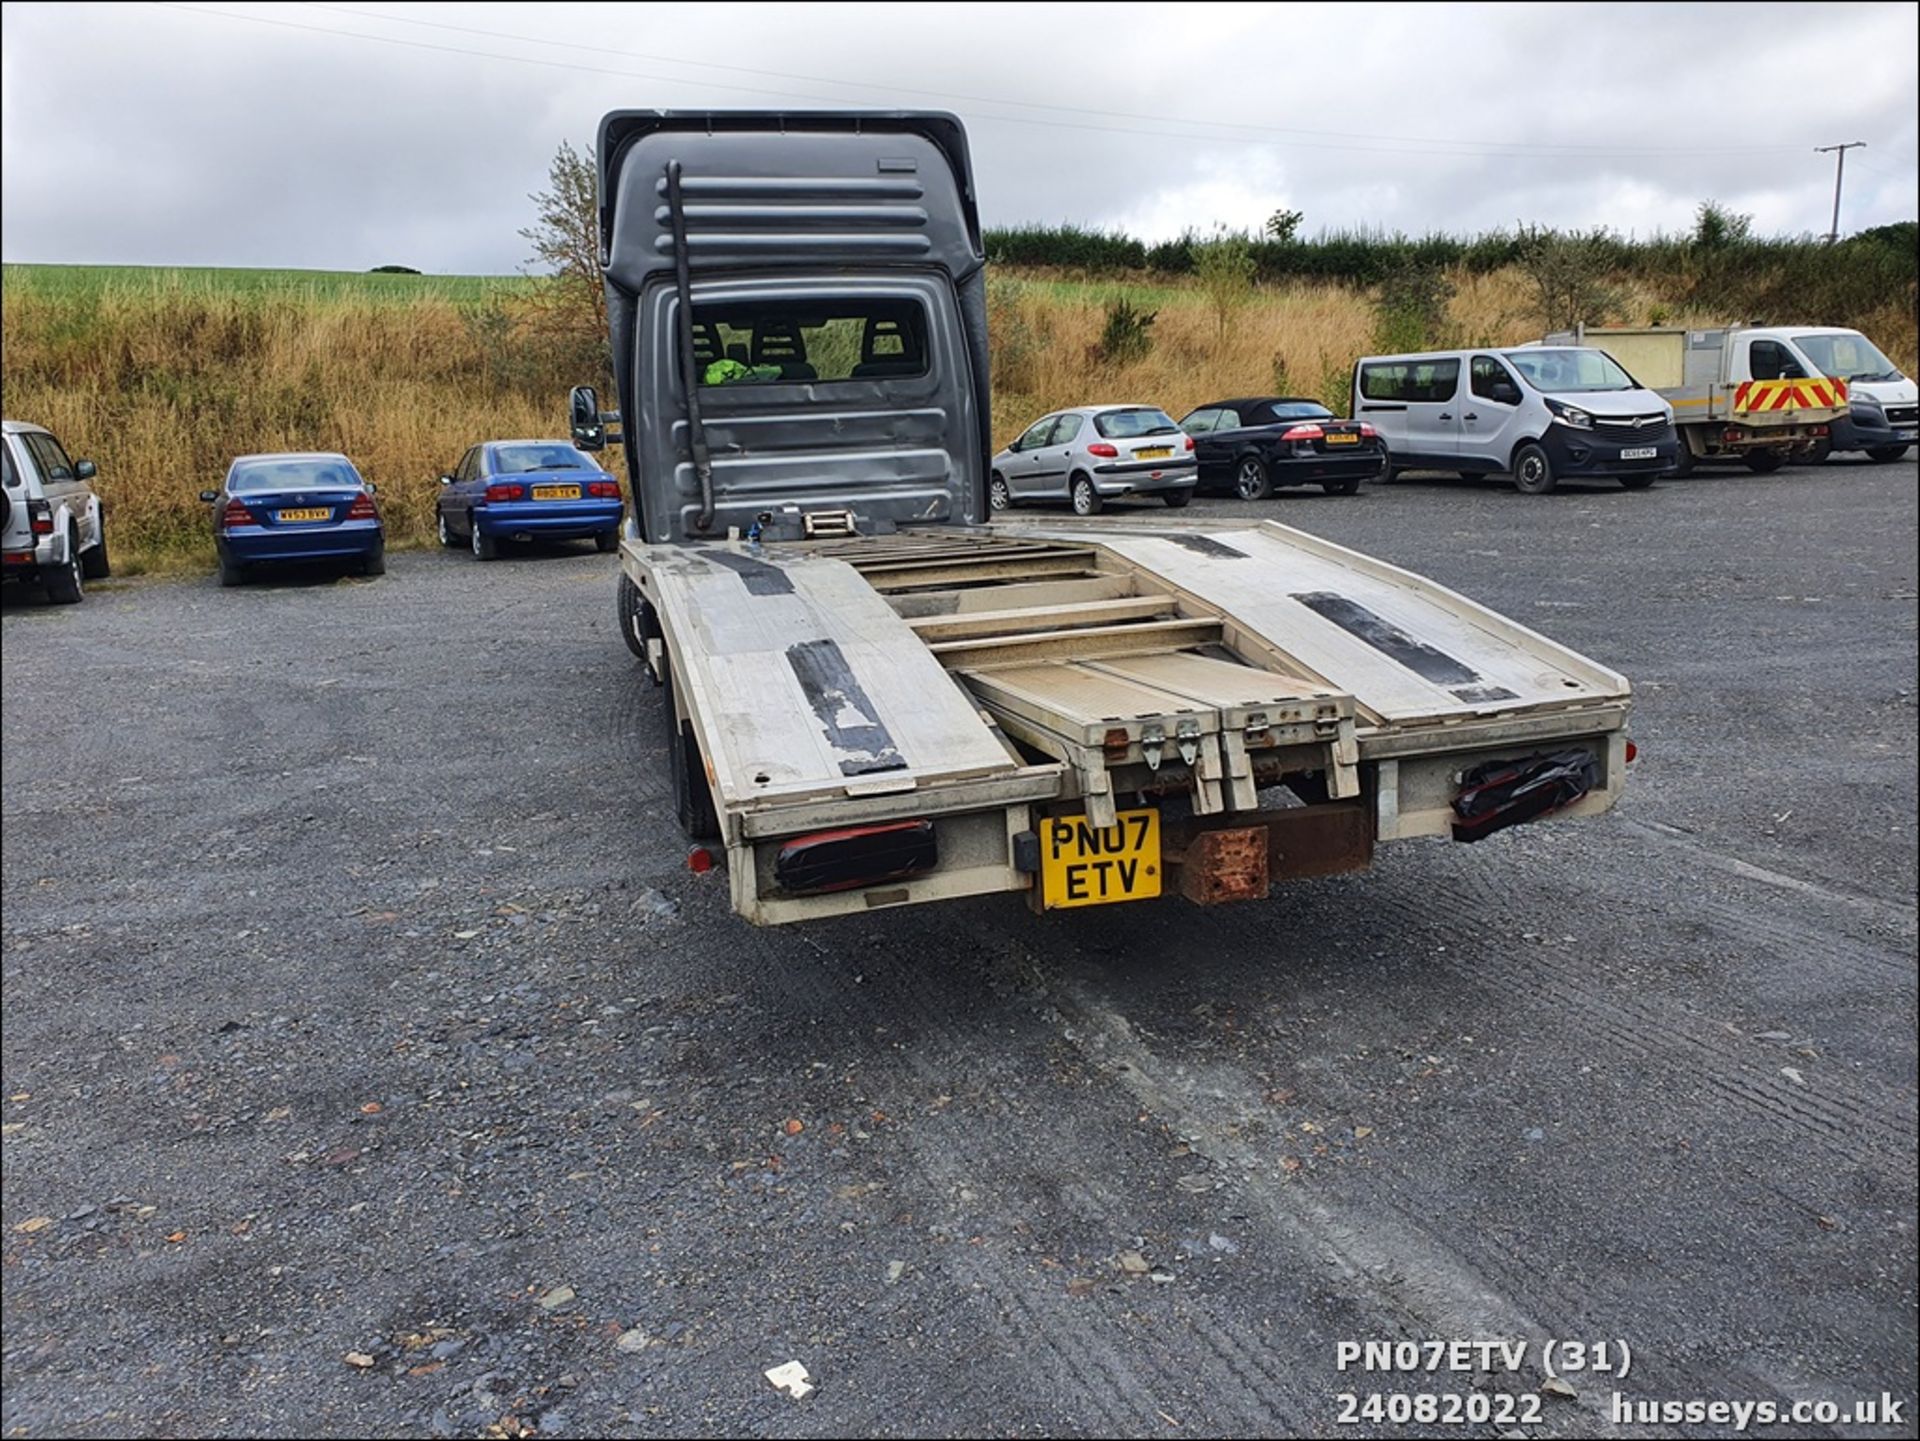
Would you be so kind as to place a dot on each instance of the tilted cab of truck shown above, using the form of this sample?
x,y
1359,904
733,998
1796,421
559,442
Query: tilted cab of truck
x,y
1738,391
872,698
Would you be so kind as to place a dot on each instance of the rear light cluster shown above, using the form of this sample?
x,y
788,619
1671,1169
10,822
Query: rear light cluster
x,y
362,508
235,515
40,516
505,491
604,489
1189,444
1304,432
1368,431
1100,447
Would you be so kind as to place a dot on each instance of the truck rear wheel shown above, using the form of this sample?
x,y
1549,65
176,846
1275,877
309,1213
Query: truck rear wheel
x,y
692,800
1764,461
638,624
1533,470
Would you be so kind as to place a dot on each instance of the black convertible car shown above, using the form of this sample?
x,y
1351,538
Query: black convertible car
x,y
1254,445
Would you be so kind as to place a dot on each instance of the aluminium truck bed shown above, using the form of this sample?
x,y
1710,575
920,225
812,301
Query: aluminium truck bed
x,y
987,678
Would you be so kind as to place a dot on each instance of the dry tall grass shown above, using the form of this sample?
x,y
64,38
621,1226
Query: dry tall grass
x,y
161,383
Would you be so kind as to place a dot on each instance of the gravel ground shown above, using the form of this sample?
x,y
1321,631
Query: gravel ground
x,y
373,1065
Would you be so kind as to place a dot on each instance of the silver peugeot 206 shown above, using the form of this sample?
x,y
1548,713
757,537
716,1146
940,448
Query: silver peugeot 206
x,y
1091,454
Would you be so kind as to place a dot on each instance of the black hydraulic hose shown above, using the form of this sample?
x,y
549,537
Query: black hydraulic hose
x,y
696,430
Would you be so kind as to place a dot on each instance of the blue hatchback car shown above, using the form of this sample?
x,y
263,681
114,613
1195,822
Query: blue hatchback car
x,y
306,507
526,490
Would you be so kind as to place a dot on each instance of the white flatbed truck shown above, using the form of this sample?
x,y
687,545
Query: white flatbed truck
x,y
873,698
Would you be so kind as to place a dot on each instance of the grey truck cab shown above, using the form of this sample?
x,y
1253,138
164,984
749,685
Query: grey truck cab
x,y
798,315
1538,413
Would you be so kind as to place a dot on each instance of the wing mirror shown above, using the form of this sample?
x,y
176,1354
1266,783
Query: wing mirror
x,y
209,496
584,404
83,470
372,489
446,480
1506,395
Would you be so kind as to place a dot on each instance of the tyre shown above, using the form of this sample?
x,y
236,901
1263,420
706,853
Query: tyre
x,y
1177,499
374,562
607,542
1817,453
1638,482
1885,453
1682,460
692,801
1086,500
231,574
485,547
94,564
444,531
635,617
1533,470
63,581
1250,479
1473,475
1764,461
998,496
1349,486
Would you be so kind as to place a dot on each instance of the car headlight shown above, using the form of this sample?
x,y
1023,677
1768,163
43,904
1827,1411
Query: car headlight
x,y
1571,416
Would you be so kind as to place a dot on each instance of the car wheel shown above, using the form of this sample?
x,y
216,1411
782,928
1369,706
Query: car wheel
x,y
63,581
1250,479
1885,453
1349,486
445,531
94,564
607,542
1086,500
230,573
1638,482
998,496
1817,453
485,547
374,562
1176,499
1533,471
692,801
1765,460
1682,460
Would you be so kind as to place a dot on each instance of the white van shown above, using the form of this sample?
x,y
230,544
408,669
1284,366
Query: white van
x,y
1881,416
1541,414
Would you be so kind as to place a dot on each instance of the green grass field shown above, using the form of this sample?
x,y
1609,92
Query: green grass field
x,y
75,282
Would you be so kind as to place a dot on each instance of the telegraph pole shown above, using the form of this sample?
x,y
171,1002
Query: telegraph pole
x,y
1839,153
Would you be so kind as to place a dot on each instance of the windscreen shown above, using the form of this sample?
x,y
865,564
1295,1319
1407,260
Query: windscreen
x,y
1847,356
291,475
523,457
1560,371
776,341
1132,424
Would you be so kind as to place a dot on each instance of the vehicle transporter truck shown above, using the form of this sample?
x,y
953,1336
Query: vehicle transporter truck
x,y
874,698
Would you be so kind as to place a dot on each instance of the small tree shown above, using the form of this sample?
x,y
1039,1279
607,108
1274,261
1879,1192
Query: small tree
x,y
1410,312
1284,225
1569,275
566,246
1225,267
1128,335
1716,228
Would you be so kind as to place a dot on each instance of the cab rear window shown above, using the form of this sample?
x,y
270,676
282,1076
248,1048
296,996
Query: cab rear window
x,y
1410,380
781,340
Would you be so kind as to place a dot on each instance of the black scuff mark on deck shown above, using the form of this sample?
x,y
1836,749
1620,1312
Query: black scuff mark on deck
x,y
761,578
1203,545
847,718
1387,638
1477,693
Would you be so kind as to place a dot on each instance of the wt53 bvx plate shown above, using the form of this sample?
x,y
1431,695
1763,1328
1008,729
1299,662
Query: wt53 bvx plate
x,y
319,512
1082,864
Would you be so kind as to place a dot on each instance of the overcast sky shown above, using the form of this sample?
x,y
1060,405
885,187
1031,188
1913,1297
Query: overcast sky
x,y
348,136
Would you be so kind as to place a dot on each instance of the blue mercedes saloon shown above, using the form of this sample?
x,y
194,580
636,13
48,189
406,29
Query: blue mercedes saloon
x,y
303,507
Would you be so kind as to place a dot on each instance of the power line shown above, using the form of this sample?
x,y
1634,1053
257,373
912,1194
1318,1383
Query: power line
x,y
1491,145
838,100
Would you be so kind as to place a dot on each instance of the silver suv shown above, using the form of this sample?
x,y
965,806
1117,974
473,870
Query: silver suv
x,y
51,529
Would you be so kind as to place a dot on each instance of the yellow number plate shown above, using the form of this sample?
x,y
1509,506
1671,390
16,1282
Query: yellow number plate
x,y
323,512
1083,865
556,492
1158,452
1342,438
